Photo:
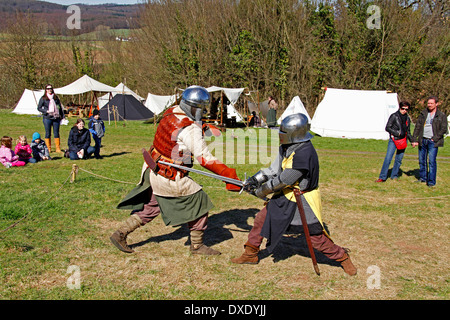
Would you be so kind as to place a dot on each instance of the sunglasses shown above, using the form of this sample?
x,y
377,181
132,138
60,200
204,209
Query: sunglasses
x,y
405,109
48,88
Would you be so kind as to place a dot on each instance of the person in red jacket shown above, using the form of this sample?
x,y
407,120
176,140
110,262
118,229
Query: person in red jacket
x,y
172,192
23,150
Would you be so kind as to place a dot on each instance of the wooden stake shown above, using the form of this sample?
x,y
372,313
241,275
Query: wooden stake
x,y
74,173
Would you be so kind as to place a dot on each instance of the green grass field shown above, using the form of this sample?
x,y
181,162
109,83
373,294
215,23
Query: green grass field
x,y
397,231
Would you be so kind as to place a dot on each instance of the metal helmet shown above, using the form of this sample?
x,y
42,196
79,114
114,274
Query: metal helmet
x,y
196,96
294,128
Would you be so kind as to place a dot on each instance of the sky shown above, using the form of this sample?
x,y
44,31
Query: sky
x,y
69,2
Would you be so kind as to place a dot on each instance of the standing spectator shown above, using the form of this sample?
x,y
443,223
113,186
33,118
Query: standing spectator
x,y
79,141
39,148
429,136
7,156
272,113
398,127
52,111
97,128
23,150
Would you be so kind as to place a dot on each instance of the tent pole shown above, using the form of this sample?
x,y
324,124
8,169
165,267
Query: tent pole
x,y
221,109
259,109
115,121
246,111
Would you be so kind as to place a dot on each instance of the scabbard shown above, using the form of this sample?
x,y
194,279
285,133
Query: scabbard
x,y
306,230
149,160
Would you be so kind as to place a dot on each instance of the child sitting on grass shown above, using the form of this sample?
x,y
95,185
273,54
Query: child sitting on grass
x,y
23,150
40,150
7,156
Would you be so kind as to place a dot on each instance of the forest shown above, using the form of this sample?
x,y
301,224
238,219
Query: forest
x,y
282,48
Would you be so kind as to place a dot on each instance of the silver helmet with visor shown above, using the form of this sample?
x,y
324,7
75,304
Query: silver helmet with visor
x,y
294,128
194,100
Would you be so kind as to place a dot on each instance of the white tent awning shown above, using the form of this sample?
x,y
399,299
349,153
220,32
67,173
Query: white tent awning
x,y
83,85
122,89
233,95
157,104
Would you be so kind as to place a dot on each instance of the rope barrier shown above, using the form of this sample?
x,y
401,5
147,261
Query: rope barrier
x,y
99,176
72,177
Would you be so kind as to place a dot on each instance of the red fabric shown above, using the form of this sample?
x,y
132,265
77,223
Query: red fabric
x,y
222,170
209,129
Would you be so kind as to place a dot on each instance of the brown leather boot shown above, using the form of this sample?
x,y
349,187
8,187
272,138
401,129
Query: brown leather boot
x,y
119,238
48,142
347,264
197,245
57,144
250,255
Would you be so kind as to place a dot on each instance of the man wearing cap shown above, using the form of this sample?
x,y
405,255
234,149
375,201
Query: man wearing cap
x,y
297,166
172,192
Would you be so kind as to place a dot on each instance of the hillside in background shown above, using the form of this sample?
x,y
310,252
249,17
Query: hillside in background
x,y
55,16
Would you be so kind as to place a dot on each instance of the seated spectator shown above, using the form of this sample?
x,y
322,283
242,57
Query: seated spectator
x,y
80,141
7,156
254,120
23,150
39,148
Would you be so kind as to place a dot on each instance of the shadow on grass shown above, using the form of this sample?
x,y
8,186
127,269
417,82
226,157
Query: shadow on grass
x,y
291,244
216,231
114,154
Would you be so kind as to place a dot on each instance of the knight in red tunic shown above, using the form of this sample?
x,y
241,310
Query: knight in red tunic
x,y
169,191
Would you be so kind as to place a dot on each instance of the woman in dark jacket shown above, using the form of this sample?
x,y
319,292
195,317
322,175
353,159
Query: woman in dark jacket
x,y
52,112
79,141
398,127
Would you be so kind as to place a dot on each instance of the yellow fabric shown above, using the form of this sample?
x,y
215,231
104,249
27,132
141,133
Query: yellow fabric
x,y
312,197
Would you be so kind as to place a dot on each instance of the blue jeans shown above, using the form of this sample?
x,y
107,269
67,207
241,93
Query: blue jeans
x,y
387,161
428,168
98,143
48,124
87,153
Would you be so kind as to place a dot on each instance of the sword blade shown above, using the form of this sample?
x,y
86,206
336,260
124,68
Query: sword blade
x,y
207,174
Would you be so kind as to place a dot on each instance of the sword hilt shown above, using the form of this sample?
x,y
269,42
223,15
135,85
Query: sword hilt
x,y
245,176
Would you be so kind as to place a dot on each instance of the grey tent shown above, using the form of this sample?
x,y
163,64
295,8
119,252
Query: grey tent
x,y
125,107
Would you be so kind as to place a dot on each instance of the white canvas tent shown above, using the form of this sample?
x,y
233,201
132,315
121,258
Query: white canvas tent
x,y
233,95
83,85
295,106
28,102
354,114
121,89
157,104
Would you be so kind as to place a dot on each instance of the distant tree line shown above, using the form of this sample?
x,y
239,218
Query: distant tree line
x,y
278,47
288,47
